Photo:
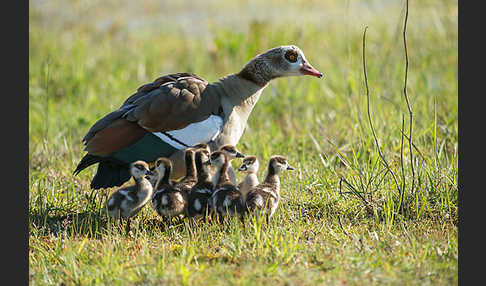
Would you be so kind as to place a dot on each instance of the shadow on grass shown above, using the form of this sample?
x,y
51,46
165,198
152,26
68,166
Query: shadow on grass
x,y
93,224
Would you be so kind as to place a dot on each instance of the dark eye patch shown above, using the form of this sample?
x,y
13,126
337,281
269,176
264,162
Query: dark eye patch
x,y
230,149
291,56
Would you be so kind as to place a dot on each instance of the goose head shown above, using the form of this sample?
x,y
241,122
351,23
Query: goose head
x,y
139,169
231,152
278,163
249,165
280,61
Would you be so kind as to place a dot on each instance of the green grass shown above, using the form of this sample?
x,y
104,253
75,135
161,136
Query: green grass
x,y
85,58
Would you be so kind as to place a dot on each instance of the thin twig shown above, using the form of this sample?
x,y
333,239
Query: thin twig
x,y
369,114
410,143
414,146
401,164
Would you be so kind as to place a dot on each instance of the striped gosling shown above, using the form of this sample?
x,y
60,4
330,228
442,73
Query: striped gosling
x,y
127,202
198,197
249,166
168,201
226,199
265,196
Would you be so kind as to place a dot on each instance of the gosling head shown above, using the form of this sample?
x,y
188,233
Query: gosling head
x,y
162,166
217,159
250,164
139,169
203,146
231,152
278,163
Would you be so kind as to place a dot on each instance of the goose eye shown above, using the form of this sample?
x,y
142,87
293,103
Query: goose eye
x,y
291,56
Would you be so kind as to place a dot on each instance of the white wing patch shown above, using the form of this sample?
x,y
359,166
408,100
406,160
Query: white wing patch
x,y
203,131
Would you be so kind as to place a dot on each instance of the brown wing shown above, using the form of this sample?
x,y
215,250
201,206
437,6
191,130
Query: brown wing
x,y
170,102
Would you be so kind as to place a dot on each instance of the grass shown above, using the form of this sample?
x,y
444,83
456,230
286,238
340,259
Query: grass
x,y
86,57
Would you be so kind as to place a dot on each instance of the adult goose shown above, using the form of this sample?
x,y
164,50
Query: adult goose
x,y
179,110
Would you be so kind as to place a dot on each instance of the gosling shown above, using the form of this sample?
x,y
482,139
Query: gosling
x,y
265,196
198,197
168,200
226,199
127,202
249,166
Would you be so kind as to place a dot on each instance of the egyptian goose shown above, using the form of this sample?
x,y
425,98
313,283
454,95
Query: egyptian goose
x,y
170,198
250,166
265,196
197,199
226,199
179,110
127,202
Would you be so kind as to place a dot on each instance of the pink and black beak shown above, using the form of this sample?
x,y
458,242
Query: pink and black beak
x,y
307,69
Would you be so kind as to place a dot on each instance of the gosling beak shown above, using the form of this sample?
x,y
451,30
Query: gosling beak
x,y
240,155
307,69
290,167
